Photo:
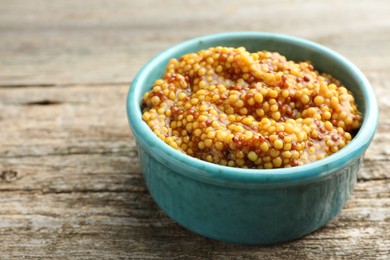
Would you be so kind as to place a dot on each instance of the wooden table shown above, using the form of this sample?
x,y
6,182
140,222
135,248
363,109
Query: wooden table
x,y
70,181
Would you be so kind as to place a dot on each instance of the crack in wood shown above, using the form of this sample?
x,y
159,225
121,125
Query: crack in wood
x,y
43,102
50,85
75,191
131,153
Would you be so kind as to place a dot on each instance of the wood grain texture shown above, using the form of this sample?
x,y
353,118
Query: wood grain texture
x,y
70,182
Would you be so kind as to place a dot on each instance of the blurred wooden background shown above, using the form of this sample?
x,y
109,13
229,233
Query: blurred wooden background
x,y
70,183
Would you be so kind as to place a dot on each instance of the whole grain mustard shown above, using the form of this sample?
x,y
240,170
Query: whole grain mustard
x,y
250,110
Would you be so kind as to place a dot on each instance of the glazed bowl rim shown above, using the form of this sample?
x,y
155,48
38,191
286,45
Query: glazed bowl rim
x,y
213,173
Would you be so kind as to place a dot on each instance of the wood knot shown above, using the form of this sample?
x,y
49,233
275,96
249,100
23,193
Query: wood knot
x,y
8,175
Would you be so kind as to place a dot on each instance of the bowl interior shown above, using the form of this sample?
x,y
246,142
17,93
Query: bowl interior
x,y
322,58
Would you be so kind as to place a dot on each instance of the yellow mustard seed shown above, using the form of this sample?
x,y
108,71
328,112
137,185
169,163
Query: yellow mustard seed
x,y
252,156
278,144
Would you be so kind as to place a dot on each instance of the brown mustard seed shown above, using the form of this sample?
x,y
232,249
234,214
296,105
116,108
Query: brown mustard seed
x,y
253,110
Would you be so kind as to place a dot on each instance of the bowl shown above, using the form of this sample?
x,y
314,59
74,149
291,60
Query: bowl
x,y
252,206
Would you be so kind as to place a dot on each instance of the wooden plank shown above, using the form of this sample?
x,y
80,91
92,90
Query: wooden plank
x,y
90,225
80,115
59,42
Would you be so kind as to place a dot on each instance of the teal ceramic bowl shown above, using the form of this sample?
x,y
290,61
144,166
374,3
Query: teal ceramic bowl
x,y
245,205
